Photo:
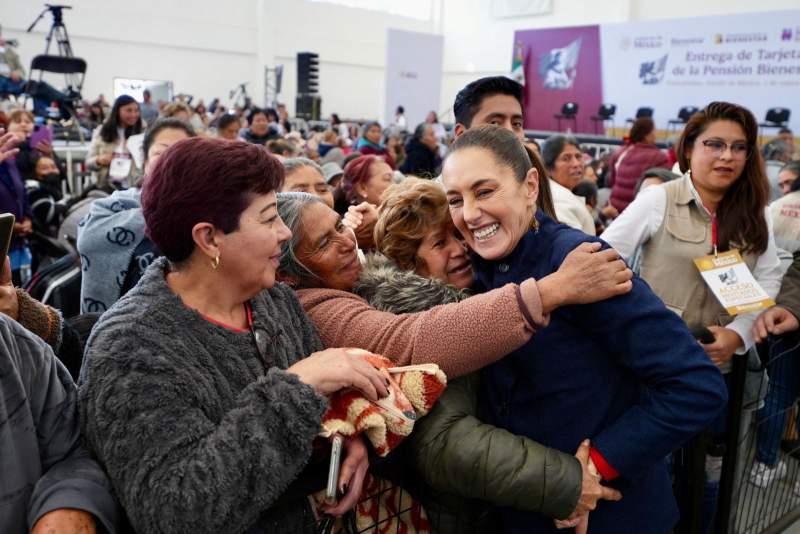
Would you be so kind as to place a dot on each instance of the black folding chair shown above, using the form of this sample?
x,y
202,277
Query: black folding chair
x,y
605,113
776,118
569,112
74,71
684,114
642,112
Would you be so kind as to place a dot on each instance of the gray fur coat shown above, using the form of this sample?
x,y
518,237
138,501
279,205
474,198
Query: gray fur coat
x,y
199,427
390,289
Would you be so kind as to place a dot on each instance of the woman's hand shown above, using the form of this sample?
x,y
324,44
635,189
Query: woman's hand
x,y
776,321
44,148
610,212
23,228
9,304
351,476
104,160
586,275
362,219
725,344
591,489
330,370
7,143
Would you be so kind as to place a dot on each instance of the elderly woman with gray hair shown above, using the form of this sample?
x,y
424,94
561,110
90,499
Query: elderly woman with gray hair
x,y
563,159
306,176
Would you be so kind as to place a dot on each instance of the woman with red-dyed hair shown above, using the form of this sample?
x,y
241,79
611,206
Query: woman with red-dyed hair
x,y
205,385
365,179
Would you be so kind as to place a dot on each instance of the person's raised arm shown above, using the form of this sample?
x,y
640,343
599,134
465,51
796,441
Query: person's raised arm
x,y
468,335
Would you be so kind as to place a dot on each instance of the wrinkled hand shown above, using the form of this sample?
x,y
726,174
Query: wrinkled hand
x,y
9,305
351,476
330,370
776,321
610,212
8,142
362,219
580,524
23,228
65,521
591,489
725,344
586,275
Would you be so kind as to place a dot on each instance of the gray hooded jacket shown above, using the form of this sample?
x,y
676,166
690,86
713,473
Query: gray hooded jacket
x,y
43,466
107,239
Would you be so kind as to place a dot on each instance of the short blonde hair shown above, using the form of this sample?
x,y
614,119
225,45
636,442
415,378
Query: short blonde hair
x,y
409,211
176,107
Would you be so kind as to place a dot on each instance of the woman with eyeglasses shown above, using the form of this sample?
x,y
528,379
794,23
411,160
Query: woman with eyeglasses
x,y
719,204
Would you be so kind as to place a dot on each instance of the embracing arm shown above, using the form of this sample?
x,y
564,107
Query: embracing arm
x,y
176,469
457,453
460,337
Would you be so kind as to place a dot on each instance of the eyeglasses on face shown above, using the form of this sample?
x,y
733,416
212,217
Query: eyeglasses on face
x,y
717,148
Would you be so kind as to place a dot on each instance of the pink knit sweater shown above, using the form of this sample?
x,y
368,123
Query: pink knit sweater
x,y
460,337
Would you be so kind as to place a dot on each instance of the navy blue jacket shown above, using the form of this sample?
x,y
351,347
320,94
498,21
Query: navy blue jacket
x,y
625,373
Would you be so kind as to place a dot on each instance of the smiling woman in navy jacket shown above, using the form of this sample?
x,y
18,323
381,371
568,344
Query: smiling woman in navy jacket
x,y
625,372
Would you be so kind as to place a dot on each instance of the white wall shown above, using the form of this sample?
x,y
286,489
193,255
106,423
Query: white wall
x,y
478,44
207,47
205,50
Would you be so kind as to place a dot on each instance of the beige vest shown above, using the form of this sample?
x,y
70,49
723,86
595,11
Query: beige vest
x,y
667,257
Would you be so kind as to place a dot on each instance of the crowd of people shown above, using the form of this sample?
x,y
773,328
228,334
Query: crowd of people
x,y
232,258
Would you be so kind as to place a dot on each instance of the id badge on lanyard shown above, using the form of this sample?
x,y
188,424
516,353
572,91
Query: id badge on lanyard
x,y
729,278
120,166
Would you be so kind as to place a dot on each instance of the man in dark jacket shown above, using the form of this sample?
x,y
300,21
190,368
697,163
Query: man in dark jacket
x,y
422,156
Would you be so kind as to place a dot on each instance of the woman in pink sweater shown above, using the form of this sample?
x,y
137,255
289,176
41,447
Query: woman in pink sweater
x,y
321,262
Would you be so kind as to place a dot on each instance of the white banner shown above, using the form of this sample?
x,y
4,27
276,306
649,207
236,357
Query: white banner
x,y
413,74
751,59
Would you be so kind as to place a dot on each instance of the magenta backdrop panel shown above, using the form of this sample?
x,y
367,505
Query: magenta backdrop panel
x,y
562,65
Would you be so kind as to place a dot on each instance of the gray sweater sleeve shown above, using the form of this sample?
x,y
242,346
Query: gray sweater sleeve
x,y
71,478
175,467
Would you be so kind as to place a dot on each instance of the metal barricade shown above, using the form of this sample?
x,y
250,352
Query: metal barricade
x,y
769,501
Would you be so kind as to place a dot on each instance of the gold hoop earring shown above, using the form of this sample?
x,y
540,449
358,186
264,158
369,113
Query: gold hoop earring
x,y
215,263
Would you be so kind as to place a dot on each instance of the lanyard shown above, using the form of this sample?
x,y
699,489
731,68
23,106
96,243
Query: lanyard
x,y
714,232
713,229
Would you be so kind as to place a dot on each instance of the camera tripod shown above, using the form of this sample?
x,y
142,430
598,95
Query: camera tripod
x,y
63,61
57,29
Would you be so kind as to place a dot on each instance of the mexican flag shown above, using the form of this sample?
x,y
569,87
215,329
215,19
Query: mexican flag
x,y
518,64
